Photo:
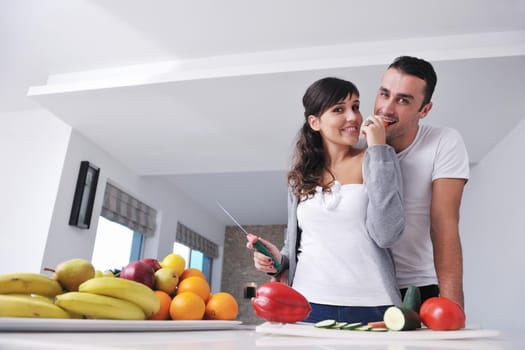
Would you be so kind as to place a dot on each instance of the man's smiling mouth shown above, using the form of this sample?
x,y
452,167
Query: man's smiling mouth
x,y
388,121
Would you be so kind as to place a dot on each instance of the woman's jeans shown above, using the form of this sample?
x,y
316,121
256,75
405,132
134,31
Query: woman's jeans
x,y
351,314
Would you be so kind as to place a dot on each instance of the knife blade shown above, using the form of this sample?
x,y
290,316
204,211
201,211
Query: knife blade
x,y
232,218
258,245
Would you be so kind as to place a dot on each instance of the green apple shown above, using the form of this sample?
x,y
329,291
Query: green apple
x,y
166,279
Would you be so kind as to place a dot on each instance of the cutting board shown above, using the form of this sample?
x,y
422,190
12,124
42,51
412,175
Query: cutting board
x,y
308,330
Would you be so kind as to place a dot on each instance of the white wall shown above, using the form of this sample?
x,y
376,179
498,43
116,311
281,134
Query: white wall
x,y
32,149
493,236
44,239
172,205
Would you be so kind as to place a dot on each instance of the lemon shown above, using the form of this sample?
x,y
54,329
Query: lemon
x,y
174,261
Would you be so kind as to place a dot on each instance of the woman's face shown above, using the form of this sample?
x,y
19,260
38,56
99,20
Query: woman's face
x,y
339,124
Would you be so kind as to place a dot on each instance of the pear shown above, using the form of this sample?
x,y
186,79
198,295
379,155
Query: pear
x,y
71,273
166,279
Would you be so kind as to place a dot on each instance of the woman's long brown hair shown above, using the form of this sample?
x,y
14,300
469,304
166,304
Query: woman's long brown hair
x,y
309,159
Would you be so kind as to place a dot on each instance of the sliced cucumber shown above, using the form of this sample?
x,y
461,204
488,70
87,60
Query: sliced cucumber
x,y
340,325
325,324
379,330
356,326
352,326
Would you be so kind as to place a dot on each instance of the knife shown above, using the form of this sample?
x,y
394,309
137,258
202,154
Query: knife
x,y
258,245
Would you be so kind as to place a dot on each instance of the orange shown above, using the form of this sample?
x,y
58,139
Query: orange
x,y
187,306
192,271
175,261
221,306
196,285
164,311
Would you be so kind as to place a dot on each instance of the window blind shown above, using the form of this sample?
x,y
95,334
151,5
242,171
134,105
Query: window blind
x,y
192,239
126,210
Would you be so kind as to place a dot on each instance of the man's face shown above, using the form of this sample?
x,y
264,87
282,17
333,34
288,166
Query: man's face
x,y
398,102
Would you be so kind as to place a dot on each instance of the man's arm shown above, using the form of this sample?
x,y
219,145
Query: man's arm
x,y
444,232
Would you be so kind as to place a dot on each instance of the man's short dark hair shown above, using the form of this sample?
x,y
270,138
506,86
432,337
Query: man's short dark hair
x,y
419,68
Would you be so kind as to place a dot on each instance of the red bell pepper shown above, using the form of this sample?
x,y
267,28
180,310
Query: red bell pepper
x,y
277,302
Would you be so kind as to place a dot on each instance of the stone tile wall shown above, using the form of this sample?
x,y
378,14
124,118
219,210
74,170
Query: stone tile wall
x,y
238,270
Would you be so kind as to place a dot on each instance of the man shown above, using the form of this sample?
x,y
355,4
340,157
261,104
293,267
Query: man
x,y
434,163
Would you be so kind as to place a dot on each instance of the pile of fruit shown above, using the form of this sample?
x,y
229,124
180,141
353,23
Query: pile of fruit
x,y
145,289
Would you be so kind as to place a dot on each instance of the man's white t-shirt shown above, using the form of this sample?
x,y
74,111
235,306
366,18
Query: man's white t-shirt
x,y
437,152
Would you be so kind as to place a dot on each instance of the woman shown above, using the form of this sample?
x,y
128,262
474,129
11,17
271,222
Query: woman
x,y
344,210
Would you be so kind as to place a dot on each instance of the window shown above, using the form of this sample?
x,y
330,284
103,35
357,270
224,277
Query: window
x,y
123,223
115,245
194,258
198,251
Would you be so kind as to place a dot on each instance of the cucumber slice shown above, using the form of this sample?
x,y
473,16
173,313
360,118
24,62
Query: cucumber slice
x,y
325,324
363,328
379,330
352,326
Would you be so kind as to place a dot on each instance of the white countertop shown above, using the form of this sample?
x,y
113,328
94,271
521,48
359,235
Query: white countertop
x,y
241,337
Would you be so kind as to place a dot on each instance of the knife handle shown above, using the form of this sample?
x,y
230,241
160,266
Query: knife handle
x,y
262,249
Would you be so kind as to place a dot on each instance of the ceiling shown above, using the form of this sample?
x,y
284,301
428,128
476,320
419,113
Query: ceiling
x,y
207,94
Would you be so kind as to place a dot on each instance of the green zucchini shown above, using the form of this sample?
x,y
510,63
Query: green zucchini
x,y
401,319
412,299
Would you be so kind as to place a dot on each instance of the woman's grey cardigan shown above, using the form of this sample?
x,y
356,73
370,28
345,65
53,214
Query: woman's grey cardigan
x,y
385,219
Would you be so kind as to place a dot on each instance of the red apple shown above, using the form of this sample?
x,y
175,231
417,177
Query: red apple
x,y
154,263
139,272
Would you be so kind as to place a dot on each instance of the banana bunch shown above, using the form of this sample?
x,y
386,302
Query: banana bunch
x,y
126,290
110,298
37,295
95,306
26,305
29,283
29,295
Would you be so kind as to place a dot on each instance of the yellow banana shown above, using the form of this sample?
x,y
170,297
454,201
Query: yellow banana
x,y
124,289
18,306
29,283
96,306
33,297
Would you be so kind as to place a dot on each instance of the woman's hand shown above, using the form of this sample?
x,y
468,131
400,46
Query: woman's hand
x,y
282,277
374,130
262,262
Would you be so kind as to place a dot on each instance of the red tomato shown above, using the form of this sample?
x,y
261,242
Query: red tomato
x,y
440,313
277,302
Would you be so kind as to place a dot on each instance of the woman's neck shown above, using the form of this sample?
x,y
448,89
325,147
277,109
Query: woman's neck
x,y
344,166
338,155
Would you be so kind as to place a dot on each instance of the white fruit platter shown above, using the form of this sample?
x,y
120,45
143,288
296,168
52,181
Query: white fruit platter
x,y
8,324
